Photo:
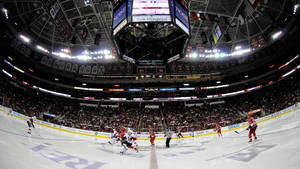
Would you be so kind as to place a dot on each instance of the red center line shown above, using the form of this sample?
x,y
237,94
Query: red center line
x,y
153,159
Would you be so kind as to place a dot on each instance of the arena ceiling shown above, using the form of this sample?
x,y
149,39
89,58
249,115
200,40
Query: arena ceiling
x,y
239,23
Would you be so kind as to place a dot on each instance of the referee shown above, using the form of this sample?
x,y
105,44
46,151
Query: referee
x,y
169,137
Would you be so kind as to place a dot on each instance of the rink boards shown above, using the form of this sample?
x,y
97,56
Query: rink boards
x,y
103,136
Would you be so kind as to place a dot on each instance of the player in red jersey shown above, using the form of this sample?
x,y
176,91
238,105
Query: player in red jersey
x,y
123,132
218,129
252,128
152,136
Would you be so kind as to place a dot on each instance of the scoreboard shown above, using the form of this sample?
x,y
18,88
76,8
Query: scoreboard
x,y
151,11
151,32
145,11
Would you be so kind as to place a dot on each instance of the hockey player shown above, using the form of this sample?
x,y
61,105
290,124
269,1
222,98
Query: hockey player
x,y
123,132
179,134
30,124
252,128
218,129
115,137
152,137
31,120
128,141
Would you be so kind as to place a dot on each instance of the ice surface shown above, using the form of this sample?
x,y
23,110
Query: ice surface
x,y
277,147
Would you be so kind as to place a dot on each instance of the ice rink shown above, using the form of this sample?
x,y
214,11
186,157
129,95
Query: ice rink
x,y
277,147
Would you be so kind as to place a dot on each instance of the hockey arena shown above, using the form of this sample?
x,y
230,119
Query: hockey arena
x,y
277,147
149,84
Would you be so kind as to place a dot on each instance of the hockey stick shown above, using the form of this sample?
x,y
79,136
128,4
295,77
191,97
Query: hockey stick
x,y
240,132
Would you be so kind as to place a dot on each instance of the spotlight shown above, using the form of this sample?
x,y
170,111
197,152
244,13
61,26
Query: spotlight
x,y
276,35
5,12
25,39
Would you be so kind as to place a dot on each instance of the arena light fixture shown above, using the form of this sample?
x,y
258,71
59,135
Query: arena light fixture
x,y
24,39
42,49
61,54
218,82
276,35
85,52
194,55
106,52
240,52
5,11
108,57
186,84
83,57
237,47
36,87
87,2
295,9
83,84
65,50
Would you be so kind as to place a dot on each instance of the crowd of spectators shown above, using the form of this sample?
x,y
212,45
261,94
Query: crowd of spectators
x,y
173,115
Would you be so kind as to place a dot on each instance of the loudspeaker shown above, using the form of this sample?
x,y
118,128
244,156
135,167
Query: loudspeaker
x,y
97,39
227,37
204,38
73,40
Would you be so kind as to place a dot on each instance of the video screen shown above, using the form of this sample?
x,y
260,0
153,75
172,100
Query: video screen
x,y
153,7
182,14
119,15
151,10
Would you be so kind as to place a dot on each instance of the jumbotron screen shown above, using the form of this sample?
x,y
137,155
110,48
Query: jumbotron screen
x,y
119,15
182,16
151,11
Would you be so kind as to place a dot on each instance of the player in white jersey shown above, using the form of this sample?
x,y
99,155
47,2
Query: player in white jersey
x,y
128,141
115,137
30,124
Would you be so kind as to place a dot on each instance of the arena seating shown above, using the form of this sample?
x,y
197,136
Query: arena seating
x,y
173,115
